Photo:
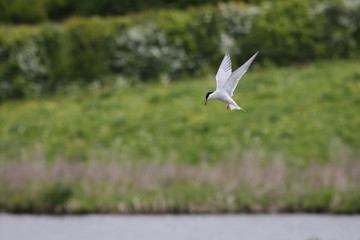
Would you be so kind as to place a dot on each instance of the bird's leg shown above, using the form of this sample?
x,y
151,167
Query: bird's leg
x,y
227,107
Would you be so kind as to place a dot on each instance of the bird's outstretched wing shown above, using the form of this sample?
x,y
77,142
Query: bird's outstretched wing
x,y
234,78
224,72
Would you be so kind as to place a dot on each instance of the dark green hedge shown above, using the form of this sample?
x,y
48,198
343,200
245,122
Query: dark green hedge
x,y
35,11
165,44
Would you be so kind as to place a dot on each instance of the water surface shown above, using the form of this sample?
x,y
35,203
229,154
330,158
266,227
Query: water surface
x,y
123,227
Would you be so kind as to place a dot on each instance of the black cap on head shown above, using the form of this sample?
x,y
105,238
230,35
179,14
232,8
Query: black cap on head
x,y
207,95
206,98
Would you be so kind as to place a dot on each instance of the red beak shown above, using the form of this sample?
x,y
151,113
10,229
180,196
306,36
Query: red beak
x,y
206,102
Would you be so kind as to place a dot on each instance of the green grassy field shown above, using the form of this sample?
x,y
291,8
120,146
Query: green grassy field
x,y
157,148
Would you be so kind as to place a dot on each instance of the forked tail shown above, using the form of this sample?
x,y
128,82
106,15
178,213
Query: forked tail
x,y
232,107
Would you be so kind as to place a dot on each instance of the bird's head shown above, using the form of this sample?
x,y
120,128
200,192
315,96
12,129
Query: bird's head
x,y
207,97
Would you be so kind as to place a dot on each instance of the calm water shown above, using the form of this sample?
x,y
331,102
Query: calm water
x,y
187,227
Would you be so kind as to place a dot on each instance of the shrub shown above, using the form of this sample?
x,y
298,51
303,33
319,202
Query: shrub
x,y
282,32
89,45
143,52
165,44
23,11
32,11
23,66
194,35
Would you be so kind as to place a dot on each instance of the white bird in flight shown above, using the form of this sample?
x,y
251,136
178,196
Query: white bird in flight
x,y
226,81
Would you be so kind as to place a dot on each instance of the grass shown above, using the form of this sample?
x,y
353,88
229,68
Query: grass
x,y
244,185
157,148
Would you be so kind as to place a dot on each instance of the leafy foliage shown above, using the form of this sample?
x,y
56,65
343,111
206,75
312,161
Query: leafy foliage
x,y
33,11
168,44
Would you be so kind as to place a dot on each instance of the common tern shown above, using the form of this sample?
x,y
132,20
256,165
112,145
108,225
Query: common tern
x,y
226,81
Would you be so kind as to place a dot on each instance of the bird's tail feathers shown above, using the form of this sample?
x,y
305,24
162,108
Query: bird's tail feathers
x,y
232,107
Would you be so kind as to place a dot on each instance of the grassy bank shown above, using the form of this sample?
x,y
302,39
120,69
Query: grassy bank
x,y
245,185
156,148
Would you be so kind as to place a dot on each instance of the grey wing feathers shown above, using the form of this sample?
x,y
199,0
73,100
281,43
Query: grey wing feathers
x,y
224,72
233,80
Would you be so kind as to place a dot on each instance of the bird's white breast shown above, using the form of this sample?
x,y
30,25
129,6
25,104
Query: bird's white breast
x,y
222,97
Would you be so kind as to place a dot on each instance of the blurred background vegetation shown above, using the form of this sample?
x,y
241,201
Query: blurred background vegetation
x,y
101,106
38,59
36,11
